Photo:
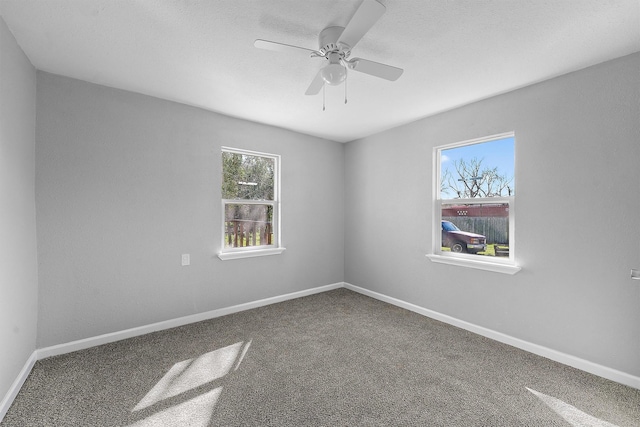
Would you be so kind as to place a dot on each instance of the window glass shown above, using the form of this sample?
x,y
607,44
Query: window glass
x,y
247,176
248,225
478,170
481,229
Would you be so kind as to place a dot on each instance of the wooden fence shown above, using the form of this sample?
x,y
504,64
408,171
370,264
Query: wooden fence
x,y
495,229
242,233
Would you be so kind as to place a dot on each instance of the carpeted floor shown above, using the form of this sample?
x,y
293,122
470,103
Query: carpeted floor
x,y
332,359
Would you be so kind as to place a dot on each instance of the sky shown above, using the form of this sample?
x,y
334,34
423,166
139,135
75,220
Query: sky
x,y
497,153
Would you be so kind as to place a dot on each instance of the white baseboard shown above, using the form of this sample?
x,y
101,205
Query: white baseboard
x,y
566,359
17,385
181,321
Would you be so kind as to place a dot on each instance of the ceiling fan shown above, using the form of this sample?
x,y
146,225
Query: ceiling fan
x,y
335,44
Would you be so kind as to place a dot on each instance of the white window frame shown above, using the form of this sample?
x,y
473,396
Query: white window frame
x,y
496,264
254,251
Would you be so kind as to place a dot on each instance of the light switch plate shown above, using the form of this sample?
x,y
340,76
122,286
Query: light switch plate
x,y
186,259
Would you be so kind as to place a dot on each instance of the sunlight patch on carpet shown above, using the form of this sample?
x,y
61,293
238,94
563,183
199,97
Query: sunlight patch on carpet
x,y
570,413
195,412
192,373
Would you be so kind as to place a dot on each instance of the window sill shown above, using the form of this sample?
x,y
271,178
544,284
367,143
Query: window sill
x,y
250,254
471,263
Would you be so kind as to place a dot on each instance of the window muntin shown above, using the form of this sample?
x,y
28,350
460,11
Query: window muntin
x,y
250,200
475,192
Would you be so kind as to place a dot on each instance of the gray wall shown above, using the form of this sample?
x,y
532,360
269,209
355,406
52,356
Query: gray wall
x,y
578,201
18,262
126,183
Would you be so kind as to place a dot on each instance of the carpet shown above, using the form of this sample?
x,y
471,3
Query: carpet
x,y
337,358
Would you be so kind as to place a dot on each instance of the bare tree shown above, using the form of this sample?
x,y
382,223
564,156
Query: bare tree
x,y
470,180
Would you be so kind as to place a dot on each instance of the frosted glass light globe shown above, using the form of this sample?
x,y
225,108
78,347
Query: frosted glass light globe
x,y
334,74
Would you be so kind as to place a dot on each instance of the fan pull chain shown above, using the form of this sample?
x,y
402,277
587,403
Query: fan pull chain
x,y
323,97
346,75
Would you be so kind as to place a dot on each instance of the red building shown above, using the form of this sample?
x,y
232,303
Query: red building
x,y
477,211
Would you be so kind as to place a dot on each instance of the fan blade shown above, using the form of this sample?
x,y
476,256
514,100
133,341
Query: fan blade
x,y
281,47
375,69
367,14
316,84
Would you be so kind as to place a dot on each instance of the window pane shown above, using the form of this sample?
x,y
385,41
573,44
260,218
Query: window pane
x,y
247,177
481,229
484,169
248,225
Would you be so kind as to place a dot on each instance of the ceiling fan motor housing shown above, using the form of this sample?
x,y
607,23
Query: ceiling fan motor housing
x,y
328,41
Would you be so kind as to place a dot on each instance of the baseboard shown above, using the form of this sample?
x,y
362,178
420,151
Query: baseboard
x,y
17,385
566,359
181,321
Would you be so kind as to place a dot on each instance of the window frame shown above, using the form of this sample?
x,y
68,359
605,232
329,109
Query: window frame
x,y
253,251
496,264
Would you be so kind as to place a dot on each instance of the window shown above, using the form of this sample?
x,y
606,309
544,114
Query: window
x,y
474,204
250,204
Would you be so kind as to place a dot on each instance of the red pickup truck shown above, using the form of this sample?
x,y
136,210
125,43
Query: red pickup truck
x,y
462,241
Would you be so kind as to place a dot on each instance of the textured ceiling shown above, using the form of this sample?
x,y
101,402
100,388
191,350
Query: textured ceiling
x,y
201,53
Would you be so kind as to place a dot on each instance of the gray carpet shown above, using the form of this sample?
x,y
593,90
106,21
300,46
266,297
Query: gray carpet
x,y
332,359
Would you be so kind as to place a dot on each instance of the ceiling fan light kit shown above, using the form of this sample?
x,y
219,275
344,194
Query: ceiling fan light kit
x,y
335,45
334,73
